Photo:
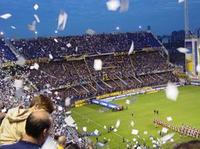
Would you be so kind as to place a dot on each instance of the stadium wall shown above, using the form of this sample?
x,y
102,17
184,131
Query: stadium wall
x,y
148,90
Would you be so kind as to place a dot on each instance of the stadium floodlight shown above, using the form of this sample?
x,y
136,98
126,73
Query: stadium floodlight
x,y
186,18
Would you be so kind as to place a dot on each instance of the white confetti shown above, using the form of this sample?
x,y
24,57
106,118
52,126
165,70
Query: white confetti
x,y
28,97
167,137
131,48
62,19
67,101
76,49
55,40
35,66
26,88
68,112
154,141
56,32
140,27
4,110
117,28
60,108
69,45
18,84
134,139
50,143
21,61
169,118
151,138
145,132
84,129
13,27
5,16
124,5
19,93
134,132
48,85
172,91
36,18
181,1
132,123
117,124
115,130
58,98
113,5
127,102
183,50
36,6
1,33
96,132
32,27
50,56
104,127
164,130
198,68
90,32
98,64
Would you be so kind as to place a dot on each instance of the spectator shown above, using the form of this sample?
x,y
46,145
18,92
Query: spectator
x,y
73,146
13,125
189,145
37,129
61,142
2,116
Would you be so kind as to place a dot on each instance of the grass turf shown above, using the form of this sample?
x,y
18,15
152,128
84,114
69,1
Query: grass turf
x,y
185,110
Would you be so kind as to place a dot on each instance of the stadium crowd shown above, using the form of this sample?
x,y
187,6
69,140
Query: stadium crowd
x,y
119,72
83,45
76,78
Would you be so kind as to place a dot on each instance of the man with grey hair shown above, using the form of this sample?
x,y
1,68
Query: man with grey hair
x,y
37,129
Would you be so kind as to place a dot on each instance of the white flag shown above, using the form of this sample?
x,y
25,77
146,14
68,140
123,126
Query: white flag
x,y
131,48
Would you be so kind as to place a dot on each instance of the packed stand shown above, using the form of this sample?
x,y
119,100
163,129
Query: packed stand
x,y
5,53
78,79
10,99
83,45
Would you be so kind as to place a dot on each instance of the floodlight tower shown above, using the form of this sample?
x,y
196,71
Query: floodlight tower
x,y
186,18
192,43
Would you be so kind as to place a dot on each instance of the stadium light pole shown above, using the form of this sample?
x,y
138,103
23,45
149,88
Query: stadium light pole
x,y
186,19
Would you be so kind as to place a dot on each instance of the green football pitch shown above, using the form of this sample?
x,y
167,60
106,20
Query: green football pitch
x,y
186,110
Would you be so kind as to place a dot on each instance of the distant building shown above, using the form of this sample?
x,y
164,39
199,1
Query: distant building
x,y
149,28
198,33
178,38
171,43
